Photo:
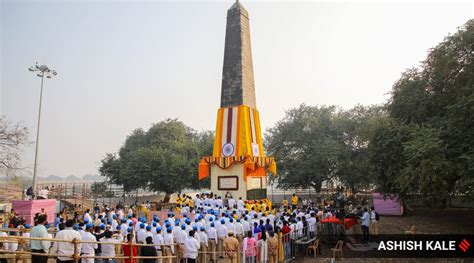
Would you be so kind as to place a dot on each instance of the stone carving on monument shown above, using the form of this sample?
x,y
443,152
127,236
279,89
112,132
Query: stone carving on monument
x,y
238,163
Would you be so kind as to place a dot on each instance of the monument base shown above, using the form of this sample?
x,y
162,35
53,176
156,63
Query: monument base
x,y
231,180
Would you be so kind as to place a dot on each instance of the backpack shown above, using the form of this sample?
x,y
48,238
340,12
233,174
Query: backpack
x,y
377,217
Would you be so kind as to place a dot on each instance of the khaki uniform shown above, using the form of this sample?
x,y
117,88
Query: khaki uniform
x,y
240,238
212,250
231,248
220,245
181,252
167,253
273,249
203,253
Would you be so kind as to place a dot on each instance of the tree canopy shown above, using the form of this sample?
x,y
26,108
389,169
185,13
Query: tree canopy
x,y
426,149
162,159
419,145
317,144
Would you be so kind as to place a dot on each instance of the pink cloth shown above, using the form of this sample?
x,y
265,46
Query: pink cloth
x,y
28,208
251,247
390,205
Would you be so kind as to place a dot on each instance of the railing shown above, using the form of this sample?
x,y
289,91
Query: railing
x,y
286,248
76,256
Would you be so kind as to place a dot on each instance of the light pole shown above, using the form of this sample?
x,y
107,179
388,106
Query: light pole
x,y
41,71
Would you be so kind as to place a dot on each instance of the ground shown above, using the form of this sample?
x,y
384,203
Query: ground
x,y
430,221
426,221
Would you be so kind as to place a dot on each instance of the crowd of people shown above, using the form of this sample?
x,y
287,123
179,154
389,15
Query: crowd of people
x,y
201,228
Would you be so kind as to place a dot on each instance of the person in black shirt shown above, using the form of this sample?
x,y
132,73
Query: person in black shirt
x,y
148,251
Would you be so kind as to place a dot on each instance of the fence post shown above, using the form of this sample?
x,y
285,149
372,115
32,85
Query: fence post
x,y
76,255
20,244
130,243
280,250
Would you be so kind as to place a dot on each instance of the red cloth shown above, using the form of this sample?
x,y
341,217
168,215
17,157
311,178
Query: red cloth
x,y
331,220
126,252
349,222
285,230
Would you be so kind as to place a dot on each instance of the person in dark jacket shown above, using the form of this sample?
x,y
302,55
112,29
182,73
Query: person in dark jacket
x,y
149,251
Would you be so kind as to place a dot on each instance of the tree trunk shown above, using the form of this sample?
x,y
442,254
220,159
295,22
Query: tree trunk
x,y
167,198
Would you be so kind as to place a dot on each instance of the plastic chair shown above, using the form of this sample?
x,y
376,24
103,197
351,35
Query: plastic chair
x,y
314,248
337,249
411,231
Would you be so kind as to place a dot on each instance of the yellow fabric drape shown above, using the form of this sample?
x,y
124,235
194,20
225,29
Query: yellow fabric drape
x,y
273,168
203,170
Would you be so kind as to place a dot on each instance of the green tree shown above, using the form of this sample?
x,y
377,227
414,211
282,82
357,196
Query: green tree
x,y
426,151
98,188
315,144
162,159
355,169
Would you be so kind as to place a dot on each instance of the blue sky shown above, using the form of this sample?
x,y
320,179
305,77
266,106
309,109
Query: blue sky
x,y
128,64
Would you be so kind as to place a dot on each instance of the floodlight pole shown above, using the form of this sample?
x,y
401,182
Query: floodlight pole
x,y
37,135
41,72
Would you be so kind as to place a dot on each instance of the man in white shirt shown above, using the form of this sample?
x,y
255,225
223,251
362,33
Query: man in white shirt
x,y
221,235
158,241
271,216
239,230
230,225
240,205
168,249
176,230
231,202
212,237
374,223
204,245
87,216
299,226
141,234
192,247
88,249
108,250
114,223
181,240
37,246
246,226
365,223
124,226
312,225
65,250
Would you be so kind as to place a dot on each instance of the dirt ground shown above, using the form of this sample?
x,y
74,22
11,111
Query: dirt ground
x,y
430,221
426,221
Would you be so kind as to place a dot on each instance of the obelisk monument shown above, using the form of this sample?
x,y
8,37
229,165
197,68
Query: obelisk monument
x,y
238,164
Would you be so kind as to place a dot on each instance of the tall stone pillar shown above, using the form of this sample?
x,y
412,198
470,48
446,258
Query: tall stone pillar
x,y
238,164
